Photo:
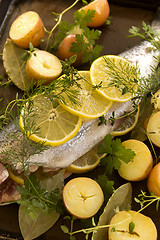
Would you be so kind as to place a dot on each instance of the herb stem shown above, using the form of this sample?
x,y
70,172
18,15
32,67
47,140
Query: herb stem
x,y
11,105
94,229
5,83
150,202
59,20
153,149
42,198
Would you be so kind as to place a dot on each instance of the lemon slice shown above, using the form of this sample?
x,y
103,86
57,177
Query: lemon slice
x,y
53,123
16,177
127,125
116,75
87,162
91,104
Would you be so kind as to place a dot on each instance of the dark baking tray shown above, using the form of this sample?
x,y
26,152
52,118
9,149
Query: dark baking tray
x,y
114,40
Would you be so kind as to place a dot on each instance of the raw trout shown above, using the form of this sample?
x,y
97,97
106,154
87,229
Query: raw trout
x,y
90,133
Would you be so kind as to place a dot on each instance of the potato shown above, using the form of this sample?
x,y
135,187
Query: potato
x,y
43,66
141,165
27,28
144,228
153,127
153,182
82,197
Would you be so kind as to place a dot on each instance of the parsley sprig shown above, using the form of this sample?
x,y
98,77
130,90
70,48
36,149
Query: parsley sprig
x,y
146,33
115,152
85,37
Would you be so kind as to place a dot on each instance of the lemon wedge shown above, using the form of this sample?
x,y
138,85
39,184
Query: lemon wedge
x,y
116,75
47,122
91,104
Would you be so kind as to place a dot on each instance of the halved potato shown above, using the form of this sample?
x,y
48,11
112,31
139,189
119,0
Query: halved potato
x,y
27,28
43,67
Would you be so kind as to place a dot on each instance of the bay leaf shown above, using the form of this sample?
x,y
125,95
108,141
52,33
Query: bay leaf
x,y
32,228
14,65
57,181
121,198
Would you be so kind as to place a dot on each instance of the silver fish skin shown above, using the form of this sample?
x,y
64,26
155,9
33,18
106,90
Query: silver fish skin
x,y
90,133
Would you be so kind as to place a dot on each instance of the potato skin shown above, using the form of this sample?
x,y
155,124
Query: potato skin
x,y
102,10
153,182
34,30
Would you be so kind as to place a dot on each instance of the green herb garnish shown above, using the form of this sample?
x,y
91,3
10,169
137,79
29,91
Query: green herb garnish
x,y
115,152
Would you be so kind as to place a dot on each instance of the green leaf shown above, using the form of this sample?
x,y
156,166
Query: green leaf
x,y
34,219
33,227
57,181
108,144
116,162
83,17
131,227
72,237
65,229
14,65
44,197
121,152
109,164
115,152
121,198
106,185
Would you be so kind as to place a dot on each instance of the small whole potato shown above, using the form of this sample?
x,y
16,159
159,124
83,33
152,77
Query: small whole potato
x,y
27,28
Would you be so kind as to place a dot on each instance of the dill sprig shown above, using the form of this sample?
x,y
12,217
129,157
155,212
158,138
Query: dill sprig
x,y
63,84
123,75
150,84
21,148
126,78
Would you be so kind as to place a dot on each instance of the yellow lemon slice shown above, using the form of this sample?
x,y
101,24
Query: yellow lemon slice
x,y
127,125
87,162
16,177
91,104
117,77
47,122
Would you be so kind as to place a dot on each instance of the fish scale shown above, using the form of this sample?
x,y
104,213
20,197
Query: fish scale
x,y
90,134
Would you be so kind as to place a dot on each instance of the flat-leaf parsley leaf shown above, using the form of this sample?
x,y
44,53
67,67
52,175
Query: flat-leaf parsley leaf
x,y
115,152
